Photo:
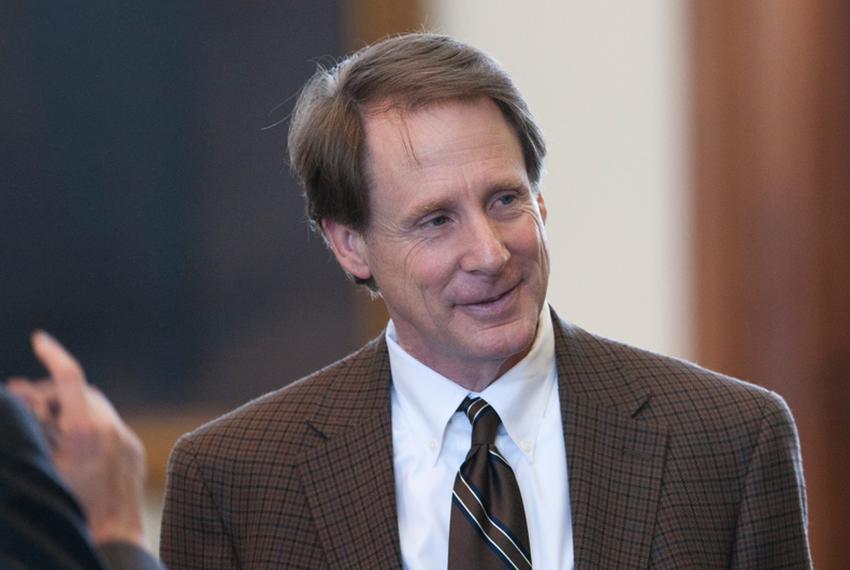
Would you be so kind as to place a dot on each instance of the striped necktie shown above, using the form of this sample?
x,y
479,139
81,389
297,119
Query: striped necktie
x,y
488,529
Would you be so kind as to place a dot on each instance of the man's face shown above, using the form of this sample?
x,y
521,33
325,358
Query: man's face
x,y
456,241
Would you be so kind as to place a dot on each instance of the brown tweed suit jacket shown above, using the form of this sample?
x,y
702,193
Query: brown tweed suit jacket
x,y
669,465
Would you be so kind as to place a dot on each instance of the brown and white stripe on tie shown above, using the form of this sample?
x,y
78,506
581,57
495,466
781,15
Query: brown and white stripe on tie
x,y
488,528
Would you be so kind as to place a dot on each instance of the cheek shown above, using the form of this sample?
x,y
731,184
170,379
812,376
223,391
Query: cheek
x,y
531,248
543,244
427,266
531,235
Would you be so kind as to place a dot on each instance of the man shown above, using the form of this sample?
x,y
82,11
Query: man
x,y
421,166
98,462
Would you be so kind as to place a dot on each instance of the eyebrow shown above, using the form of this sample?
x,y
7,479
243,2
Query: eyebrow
x,y
425,208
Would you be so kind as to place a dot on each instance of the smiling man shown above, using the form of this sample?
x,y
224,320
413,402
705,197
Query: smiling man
x,y
480,430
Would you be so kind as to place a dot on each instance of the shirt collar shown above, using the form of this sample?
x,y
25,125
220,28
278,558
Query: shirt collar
x,y
520,396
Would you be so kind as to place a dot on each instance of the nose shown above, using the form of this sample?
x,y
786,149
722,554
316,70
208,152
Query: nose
x,y
484,249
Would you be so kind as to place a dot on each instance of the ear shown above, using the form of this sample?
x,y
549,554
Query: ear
x,y
348,247
541,205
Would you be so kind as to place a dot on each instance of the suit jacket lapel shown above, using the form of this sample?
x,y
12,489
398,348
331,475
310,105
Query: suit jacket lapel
x,y
615,458
348,476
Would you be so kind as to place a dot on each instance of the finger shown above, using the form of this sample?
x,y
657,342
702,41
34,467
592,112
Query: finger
x,y
40,399
12,382
43,386
41,389
47,387
19,387
66,373
35,396
55,358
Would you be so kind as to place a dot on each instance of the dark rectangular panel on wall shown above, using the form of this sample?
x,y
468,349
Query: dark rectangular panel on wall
x,y
147,216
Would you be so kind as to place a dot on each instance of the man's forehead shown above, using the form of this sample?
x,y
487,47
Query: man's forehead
x,y
388,122
392,126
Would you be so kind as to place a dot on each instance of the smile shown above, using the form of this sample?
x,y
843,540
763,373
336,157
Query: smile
x,y
491,305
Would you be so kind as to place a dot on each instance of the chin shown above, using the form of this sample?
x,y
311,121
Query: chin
x,y
503,345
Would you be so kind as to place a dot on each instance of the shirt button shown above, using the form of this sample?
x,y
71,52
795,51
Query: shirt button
x,y
526,446
432,445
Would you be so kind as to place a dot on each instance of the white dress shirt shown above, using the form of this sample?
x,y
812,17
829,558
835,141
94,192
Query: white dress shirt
x,y
431,440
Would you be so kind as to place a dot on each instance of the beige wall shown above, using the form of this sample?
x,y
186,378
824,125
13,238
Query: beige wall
x,y
607,81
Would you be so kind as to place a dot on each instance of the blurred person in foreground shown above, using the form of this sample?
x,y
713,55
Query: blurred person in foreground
x,y
71,474
480,430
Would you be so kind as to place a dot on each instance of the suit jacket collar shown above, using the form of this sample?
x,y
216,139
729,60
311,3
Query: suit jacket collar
x,y
614,458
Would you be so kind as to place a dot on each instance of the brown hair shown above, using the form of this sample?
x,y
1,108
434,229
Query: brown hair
x,y
326,140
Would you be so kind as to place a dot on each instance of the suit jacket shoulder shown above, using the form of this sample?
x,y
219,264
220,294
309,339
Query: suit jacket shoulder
x,y
252,488
707,466
676,392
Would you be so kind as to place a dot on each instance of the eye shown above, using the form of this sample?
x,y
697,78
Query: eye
x,y
437,221
506,198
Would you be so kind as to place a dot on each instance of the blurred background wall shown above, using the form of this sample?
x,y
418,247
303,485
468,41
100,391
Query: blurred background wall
x,y
697,186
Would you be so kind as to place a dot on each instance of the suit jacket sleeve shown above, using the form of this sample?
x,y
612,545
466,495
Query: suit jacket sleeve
x,y
41,524
193,534
772,519
124,556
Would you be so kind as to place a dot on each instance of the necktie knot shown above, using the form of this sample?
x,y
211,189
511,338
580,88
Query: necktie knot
x,y
484,419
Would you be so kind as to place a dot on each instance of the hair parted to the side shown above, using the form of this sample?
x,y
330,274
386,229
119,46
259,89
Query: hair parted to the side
x,y
326,141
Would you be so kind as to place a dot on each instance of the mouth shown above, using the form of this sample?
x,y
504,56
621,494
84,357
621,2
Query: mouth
x,y
492,303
